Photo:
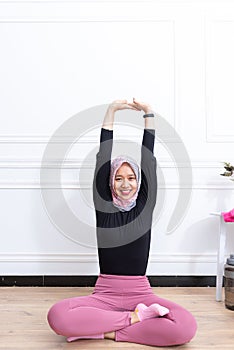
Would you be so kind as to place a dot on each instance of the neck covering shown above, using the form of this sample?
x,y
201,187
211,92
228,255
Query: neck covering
x,y
124,204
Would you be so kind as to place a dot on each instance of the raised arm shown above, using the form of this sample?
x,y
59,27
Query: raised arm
x,y
103,159
148,190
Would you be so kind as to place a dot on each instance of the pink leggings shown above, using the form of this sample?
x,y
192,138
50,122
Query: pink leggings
x,y
108,309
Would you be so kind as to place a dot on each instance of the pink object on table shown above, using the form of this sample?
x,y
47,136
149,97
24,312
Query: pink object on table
x,y
228,216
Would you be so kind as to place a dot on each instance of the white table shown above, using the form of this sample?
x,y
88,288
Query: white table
x,y
221,256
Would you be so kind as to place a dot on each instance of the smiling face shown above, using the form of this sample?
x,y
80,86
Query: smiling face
x,y
125,184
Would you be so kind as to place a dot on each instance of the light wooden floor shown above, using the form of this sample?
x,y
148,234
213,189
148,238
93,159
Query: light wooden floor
x,y
23,322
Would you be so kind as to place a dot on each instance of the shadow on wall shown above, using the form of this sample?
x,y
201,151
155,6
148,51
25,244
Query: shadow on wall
x,y
201,237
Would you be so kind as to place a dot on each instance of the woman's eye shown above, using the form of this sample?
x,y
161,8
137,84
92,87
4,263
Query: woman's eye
x,y
130,178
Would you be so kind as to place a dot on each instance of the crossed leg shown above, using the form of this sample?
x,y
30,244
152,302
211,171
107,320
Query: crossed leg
x,y
86,315
94,315
176,328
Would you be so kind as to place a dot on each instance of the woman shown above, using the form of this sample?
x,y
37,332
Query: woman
x,y
123,306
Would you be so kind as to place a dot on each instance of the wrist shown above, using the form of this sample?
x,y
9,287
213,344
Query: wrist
x,y
112,108
148,111
148,116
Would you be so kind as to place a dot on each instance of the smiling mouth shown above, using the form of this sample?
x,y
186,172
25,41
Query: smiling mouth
x,y
125,193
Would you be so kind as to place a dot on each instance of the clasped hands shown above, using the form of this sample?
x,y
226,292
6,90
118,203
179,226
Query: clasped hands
x,y
134,105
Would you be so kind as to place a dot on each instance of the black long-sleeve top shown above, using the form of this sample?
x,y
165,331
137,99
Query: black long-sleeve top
x,y
124,237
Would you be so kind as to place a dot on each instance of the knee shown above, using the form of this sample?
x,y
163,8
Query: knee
x,y
185,330
56,316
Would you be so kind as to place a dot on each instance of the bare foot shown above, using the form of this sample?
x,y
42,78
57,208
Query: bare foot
x,y
134,317
109,335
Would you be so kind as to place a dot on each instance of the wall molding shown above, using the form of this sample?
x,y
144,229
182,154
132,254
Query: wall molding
x,y
77,163
211,2
75,264
93,258
25,174
211,135
49,257
143,13
45,139
86,186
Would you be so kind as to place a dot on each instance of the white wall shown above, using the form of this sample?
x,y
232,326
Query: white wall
x,y
60,58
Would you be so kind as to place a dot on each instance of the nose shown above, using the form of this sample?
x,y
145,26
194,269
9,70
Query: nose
x,y
125,183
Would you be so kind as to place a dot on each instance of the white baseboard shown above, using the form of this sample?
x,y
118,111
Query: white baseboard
x,y
87,264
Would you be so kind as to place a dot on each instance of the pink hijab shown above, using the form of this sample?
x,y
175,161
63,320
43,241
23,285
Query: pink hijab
x,y
124,204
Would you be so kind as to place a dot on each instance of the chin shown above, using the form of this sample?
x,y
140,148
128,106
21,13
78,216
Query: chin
x,y
126,197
